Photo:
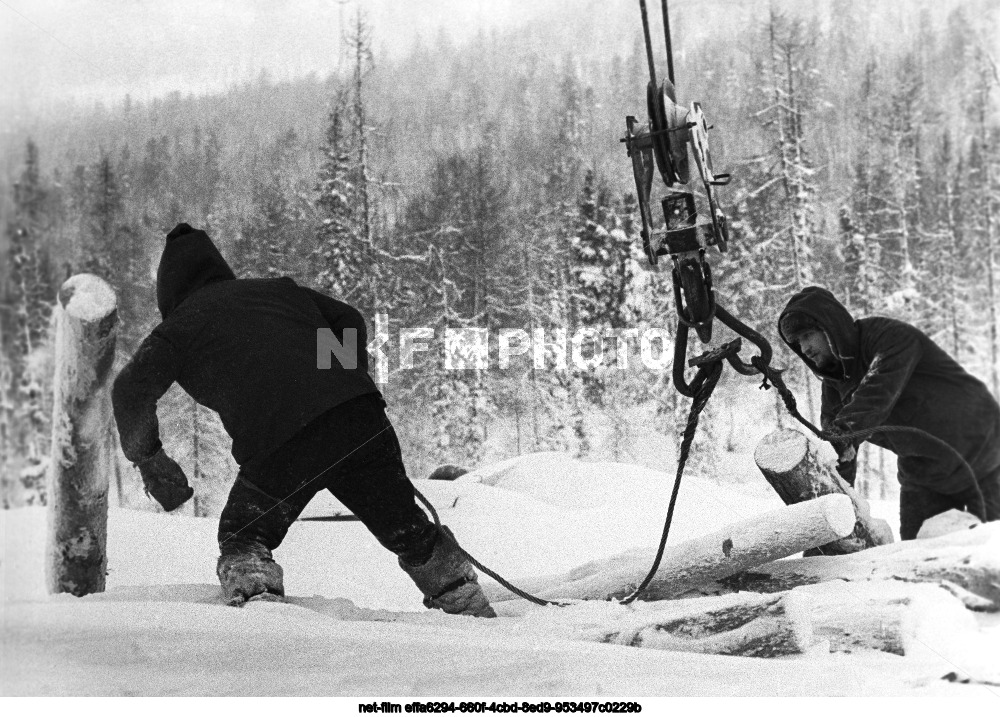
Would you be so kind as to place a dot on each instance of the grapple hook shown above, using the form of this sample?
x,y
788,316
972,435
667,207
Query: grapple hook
x,y
757,339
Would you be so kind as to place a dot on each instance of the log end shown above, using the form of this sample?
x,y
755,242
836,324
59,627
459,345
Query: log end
x,y
838,510
781,451
87,297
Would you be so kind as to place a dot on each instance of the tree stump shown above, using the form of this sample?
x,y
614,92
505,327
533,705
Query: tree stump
x,y
82,436
791,465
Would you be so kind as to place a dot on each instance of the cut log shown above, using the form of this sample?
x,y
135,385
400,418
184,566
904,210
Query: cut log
x,y
969,559
885,616
888,616
733,549
790,463
948,522
770,626
82,436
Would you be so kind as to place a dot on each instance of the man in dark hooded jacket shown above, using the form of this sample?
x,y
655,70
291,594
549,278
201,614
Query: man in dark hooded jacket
x,y
883,372
249,350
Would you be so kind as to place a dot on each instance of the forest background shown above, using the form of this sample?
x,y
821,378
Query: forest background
x,y
481,183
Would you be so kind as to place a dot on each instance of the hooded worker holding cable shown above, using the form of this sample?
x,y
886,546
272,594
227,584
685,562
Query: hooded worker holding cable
x,y
249,349
941,422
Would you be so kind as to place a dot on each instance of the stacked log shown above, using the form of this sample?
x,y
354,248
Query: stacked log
x,y
790,463
734,549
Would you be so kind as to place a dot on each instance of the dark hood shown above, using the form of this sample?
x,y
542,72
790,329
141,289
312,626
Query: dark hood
x,y
190,261
836,321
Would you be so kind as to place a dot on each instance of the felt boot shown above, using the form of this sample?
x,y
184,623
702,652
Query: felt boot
x,y
244,575
449,582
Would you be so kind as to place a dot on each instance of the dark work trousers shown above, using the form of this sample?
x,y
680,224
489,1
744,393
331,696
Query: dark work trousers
x,y
352,451
917,504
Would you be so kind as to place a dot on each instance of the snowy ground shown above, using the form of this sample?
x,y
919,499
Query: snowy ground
x,y
355,626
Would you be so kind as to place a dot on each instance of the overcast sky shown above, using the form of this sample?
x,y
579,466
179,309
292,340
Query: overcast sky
x,y
52,50
85,49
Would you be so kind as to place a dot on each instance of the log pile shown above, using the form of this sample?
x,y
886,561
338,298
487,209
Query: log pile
x,y
892,617
965,562
891,598
732,592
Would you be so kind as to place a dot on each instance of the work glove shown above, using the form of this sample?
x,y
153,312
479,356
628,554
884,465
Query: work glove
x,y
848,470
847,458
164,480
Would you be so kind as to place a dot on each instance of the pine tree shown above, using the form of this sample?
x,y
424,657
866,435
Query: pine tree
x,y
599,270
791,47
984,196
340,244
27,387
272,234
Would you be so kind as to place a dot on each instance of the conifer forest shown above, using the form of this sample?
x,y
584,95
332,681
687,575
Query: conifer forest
x,y
481,184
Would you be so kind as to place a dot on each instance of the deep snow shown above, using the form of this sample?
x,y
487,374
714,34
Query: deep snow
x,y
355,625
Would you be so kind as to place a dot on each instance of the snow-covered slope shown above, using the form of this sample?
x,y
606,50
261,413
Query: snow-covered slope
x,y
355,626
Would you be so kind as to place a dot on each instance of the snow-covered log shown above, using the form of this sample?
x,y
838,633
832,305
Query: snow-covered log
x,y
82,425
791,465
950,521
733,549
884,616
757,626
967,563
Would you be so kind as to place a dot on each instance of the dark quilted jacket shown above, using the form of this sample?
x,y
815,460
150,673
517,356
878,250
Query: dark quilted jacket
x,y
245,348
895,375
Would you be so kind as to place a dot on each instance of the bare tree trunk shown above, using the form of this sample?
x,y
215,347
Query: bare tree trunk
x,y
5,409
82,444
361,51
197,508
991,297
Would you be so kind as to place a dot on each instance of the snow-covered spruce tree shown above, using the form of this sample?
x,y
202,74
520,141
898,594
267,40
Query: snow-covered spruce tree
x,y
531,391
31,293
6,418
340,243
456,230
598,276
983,193
942,253
790,91
773,220
564,167
194,437
351,267
861,282
374,288
359,45
791,88
274,234
111,244
895,184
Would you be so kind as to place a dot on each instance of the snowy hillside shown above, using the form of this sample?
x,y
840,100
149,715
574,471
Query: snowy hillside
x,y
355,625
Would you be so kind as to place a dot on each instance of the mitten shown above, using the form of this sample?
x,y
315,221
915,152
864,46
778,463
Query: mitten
x,y
165,481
